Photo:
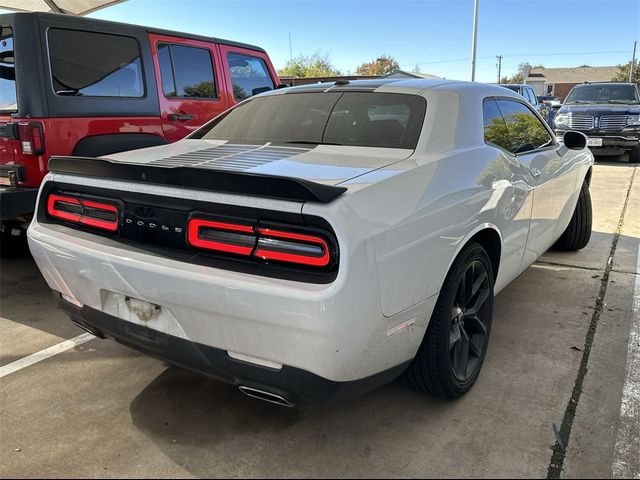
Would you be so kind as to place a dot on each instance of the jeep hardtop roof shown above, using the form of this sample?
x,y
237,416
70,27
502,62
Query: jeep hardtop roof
x,y
7,19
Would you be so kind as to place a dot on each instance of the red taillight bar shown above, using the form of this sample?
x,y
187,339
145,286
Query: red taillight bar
x,y
55,202
271,254
194,236
263,243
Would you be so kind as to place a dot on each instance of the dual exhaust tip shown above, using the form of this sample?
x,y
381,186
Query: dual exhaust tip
x,y
265,396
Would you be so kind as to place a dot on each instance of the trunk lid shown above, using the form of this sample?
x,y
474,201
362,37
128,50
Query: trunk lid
x,y
324,164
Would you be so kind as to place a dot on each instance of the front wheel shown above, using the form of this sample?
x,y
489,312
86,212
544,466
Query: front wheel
x,y
453,349
634,155
578,232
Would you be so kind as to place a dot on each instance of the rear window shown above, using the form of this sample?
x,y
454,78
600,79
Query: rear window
x,y
389,120
249,75
94,64
8,102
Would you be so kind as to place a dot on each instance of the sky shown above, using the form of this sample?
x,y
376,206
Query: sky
x,y
433,35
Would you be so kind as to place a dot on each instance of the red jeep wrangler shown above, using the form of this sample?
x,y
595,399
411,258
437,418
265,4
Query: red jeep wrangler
x,y
79,86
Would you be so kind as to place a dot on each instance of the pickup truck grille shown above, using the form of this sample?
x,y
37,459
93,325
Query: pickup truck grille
x,y
581,121
613,122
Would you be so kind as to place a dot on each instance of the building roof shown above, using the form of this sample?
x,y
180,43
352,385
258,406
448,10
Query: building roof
x,y
403,74
573,75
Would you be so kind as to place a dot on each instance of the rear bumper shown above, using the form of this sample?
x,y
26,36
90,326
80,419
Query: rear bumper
x,y
298,386
16,202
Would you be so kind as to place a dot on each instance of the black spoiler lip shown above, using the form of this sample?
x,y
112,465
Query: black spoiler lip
x,y
243,183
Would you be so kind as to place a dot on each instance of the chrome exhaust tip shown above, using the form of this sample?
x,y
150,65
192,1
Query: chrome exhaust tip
x,y
265,396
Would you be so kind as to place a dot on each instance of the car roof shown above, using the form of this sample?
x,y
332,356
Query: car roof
x,y
80,21
415,86
602,84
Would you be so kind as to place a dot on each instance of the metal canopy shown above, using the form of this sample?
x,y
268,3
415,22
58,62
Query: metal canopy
x,y
72,7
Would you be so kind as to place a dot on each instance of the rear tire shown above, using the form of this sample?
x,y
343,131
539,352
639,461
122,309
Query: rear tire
x,y
578,232
452,352
634,155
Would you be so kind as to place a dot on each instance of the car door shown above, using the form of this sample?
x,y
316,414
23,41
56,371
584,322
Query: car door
x,y
8,101
190,86
549,173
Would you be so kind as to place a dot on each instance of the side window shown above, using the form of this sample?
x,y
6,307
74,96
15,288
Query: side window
x,y
8,100
94,64
249,75
495,128
187,72
526,131
532,96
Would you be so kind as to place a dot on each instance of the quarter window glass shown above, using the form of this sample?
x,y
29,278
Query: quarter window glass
x,y
526,131
95,64
495,129
8,100
249,75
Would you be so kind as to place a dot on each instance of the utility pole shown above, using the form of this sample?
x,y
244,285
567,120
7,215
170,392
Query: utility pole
x,y
290,49
633,61
475,40
499,57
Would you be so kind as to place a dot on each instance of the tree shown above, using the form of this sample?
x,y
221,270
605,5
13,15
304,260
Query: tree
x,y
383,65
623,73
523,72
315,65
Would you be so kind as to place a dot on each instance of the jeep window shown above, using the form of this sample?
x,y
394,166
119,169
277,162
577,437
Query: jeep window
x,y
94,64
187,72
249,75
526,131
362,119
8,102
604,93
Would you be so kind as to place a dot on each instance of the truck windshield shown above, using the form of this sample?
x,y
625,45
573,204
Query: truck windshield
x,y
365,119
8,102
601,94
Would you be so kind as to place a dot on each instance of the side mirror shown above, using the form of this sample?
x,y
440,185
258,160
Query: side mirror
x,y
283,85
258,91
574,140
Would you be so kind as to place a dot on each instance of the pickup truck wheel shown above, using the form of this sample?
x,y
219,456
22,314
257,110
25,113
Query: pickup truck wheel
x,y
453,350
578,232
12,246
634,155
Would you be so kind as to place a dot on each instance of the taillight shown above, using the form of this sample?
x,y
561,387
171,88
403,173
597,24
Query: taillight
x,y
31,138
277,244
292,247
83,211
221,236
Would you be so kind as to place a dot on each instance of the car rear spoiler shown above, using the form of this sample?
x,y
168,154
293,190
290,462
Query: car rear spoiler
x,y
287,188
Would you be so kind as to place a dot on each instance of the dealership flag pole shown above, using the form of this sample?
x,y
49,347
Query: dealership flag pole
x,y
475,40
633,61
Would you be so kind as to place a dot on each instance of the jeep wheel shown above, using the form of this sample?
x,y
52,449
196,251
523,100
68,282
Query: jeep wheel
x,y
453,349
578,232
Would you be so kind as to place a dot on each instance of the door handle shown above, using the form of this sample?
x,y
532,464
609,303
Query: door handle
x,y
183,117
535,173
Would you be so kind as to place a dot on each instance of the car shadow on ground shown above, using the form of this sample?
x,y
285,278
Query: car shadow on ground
x,y
615,160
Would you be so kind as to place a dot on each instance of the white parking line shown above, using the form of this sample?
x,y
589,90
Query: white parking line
x,y
44,354
626,461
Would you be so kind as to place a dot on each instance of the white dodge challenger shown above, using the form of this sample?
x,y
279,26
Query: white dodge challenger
x,y
318,241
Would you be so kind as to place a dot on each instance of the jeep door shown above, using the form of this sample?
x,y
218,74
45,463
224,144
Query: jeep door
x,y
191,88
8,100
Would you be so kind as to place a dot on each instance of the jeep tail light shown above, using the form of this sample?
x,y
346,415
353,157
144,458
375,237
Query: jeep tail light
x,y
275,244
292,247
95,214
221,236
31,138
